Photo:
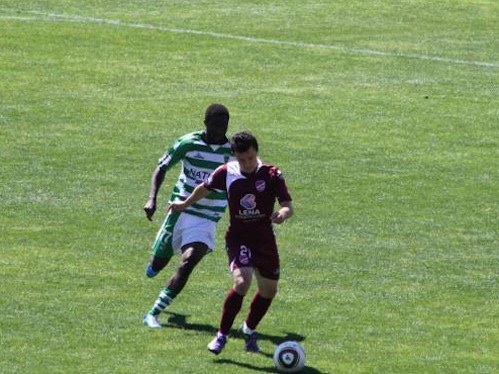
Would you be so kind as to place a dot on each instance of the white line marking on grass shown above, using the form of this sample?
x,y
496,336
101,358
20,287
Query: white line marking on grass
x,y
16,18
350,50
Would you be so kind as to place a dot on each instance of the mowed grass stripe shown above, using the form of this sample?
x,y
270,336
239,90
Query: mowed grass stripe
x,y
344,49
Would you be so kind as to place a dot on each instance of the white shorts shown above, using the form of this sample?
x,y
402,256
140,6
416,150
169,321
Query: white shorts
x,y
189,229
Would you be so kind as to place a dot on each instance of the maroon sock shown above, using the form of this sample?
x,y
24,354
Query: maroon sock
x,y
258,309
232,306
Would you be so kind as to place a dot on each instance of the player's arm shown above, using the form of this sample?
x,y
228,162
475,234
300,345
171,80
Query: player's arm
x,y
171,157
158,176
283,196
285,212
215,181
199,192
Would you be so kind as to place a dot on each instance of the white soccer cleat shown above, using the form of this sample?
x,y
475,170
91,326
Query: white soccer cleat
x,y
151,321
217,344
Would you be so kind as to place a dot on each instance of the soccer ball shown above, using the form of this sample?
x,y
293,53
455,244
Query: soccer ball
x,y
289,357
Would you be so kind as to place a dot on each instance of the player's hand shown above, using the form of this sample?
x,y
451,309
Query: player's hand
x,y
150,208
176,206
277,218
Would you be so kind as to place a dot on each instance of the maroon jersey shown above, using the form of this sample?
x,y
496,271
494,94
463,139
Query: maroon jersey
x,y
251,197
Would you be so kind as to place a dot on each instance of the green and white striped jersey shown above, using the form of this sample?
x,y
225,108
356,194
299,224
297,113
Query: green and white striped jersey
x,y
198,160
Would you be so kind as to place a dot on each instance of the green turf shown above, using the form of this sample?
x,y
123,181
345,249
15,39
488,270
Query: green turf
x,y
382,115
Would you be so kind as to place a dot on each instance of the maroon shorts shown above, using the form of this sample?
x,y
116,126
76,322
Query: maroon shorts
x,y
261,255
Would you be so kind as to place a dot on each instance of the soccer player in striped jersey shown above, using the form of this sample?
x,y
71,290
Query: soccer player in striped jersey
x,y
190,233
252,189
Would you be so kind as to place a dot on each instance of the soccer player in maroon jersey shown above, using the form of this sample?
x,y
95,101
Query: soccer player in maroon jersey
x,y
252,188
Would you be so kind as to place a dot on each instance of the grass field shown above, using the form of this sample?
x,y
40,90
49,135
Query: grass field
x,y
383,116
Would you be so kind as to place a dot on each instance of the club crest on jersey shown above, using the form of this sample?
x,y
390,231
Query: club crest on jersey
x,y
248,201
260,185
249,211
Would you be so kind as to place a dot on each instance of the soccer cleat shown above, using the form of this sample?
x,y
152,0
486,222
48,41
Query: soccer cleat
x,y
151,321
217,344
151,273
251,343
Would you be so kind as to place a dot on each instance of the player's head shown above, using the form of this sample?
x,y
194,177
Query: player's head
x,y
245,148
216,120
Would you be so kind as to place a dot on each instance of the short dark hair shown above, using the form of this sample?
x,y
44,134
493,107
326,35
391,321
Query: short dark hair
x,y
242,141
216,113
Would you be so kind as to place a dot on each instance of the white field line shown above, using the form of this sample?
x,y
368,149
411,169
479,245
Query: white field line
x,y
42,16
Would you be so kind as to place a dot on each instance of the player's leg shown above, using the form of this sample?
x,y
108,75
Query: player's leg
x,y
195,236
242,273
232,305
242,281
155,265
162,248
267,271
267,289
163,251
192,254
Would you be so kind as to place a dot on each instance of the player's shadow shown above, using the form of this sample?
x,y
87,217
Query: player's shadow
x,y
179,321
176,320
263,369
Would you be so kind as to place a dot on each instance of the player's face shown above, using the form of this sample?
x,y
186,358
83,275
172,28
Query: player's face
x,y
248,161
216,131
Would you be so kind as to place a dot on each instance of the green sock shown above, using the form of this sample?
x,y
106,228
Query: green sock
x,y
164,299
